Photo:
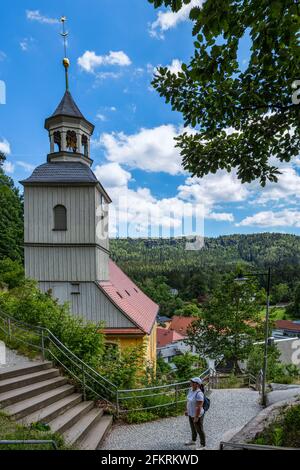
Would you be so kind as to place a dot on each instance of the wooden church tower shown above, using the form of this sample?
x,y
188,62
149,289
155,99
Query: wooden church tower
x,y
66,212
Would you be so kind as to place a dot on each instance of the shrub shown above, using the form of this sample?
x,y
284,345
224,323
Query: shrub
x,y
125,368
28,304
11,273
284,431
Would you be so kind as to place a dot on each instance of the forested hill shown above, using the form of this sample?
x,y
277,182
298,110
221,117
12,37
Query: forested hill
x,y
143,258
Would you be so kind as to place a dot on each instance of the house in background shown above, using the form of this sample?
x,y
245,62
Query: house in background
x,y
286,328
170,344
66,211
171,340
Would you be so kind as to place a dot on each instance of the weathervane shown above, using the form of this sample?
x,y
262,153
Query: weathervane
x,y
66,62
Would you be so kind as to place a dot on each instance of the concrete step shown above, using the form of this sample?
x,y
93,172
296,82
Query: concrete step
x,y
14,396
52,411
24,380
30,405
65,421
96,434
81,428
30,368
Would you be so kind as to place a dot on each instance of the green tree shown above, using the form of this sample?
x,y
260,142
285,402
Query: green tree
x,y
243,113
255,361
230,323
188,365
188,310
159,291
280,293
293,308
11,273
11,217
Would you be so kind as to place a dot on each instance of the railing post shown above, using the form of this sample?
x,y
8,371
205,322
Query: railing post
x,y
176,397
43,345
83,383
118,405
9,328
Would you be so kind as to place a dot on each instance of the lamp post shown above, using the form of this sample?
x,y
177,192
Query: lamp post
x,y
265,361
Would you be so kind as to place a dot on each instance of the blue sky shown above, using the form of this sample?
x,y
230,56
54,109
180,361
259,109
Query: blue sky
x,y
113,53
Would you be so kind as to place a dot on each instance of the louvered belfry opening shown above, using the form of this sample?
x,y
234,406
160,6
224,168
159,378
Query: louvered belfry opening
x,y
60,217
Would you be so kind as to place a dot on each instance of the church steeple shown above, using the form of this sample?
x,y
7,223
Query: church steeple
x,y
69,131
66,62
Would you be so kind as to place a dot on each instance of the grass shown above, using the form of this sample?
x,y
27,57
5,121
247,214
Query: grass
x,y
10,430
231,381
277,313
17,343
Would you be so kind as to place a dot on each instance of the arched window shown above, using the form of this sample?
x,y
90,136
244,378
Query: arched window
x,y
57,140
84,142
60,217
71,141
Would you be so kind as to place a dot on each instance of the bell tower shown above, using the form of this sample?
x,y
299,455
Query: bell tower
x,y
69,131
66,211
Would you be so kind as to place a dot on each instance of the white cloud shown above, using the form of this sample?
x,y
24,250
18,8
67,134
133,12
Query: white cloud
x,y
89,61
214,188
101,117
285,218
106,75
112,175
169,19
8,167
149,149
35,15
26,166
2,56
288,186
5,147
220,216
26,43
175,66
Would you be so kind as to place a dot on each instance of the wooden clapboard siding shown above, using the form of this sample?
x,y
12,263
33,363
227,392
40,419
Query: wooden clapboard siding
x,y
66,263
90,303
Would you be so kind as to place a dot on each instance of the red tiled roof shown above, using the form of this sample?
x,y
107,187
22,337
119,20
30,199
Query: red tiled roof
x,y
181,324
129,298
166,336
287,325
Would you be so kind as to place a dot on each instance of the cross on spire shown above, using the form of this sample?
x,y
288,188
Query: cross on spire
x,y
66,62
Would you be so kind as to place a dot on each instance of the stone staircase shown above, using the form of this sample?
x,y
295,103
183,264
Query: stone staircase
x,y
37,393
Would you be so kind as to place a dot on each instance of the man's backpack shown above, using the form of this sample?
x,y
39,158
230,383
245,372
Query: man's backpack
x,y
206,404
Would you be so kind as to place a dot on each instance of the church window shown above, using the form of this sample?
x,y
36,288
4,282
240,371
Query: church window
x,y
57,139
84,142
60,217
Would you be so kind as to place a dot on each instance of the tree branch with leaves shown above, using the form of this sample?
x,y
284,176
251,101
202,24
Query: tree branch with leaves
x,y
243,114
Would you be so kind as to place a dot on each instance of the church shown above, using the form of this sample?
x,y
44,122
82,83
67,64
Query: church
x,y
66,241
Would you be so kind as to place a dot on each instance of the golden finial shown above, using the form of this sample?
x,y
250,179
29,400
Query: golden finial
x,y
66,62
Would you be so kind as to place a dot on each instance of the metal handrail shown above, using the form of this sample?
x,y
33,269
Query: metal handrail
x,y
30,442
113,395
253,446
86,371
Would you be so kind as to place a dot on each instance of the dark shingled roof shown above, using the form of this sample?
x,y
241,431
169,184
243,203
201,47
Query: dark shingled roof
x,y
62,172
68,107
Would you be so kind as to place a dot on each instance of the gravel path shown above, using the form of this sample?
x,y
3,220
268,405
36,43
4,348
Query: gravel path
x,y
11,358
230,410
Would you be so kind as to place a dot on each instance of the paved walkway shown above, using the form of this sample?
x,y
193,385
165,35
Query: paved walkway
x,y
12,358
230,410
